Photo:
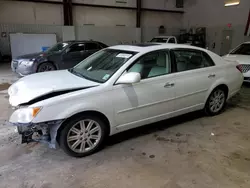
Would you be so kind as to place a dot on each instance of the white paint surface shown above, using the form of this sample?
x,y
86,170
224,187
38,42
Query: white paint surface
x,y
127,106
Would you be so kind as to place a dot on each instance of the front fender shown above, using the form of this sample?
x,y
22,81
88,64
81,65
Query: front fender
x,y
66,110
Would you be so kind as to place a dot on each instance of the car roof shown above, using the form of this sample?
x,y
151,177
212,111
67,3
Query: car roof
x,y
152,47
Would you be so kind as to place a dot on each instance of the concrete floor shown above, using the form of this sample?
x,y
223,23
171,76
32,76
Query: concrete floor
x,y
190,151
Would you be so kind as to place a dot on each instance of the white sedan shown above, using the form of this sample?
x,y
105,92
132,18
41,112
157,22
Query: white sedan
x,y
120,88
241,54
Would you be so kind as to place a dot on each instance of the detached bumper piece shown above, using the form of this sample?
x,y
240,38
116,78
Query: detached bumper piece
x,y
45,132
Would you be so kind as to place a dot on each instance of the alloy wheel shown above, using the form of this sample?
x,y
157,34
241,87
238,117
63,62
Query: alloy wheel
x,y
46,67
217,101
84,135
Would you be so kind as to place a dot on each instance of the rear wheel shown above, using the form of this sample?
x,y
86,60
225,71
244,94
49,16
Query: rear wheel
x,y
83,136
216,102
44,67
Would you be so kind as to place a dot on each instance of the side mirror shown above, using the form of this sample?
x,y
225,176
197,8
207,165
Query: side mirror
x,y
129,78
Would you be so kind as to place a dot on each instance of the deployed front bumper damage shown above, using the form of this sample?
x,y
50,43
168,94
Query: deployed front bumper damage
x,y
45,132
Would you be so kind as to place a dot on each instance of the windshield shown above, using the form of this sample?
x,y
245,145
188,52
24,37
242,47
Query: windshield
x,y
102,65
58,47
160,40
243,49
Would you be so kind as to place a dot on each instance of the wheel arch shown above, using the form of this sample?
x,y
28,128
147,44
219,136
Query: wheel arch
x,y
221,85
48,61
87,112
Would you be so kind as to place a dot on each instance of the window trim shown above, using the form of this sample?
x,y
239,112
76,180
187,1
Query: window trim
x,y
189,50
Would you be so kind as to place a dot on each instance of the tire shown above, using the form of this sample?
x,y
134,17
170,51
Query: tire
x,y
216,102
79,143
44,67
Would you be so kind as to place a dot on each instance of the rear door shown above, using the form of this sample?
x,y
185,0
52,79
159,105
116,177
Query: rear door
x,y
195,74
73,55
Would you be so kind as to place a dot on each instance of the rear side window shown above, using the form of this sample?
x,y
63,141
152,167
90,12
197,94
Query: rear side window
x,y
191,59
91,46
243,49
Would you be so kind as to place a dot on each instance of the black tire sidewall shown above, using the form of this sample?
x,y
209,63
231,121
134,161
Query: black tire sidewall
x,y
63,136
46,63
208,110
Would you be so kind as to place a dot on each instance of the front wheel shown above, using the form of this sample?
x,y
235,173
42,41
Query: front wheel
x,y
216,102
44,67
83,136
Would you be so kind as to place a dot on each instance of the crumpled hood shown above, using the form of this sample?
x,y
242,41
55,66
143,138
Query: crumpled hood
x,y
36,85
241,59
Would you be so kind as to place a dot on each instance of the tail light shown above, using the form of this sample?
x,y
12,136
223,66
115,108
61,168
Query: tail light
x,y
239,67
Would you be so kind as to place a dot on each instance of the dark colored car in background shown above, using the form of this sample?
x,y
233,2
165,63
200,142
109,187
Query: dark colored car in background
x,y
63,55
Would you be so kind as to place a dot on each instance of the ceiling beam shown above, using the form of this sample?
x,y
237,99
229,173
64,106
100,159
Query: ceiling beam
x,y
104,6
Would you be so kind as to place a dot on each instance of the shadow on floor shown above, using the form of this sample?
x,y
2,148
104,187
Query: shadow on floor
x,y
241,100
152,128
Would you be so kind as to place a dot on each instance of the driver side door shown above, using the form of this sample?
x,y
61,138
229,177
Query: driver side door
x,y
150,100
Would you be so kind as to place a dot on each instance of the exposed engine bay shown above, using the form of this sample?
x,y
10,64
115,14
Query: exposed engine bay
x,y
45,132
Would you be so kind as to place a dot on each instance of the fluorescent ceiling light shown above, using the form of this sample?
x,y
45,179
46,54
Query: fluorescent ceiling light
x,y
231,4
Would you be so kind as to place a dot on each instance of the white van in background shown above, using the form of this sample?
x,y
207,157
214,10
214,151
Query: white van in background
x,y
164,39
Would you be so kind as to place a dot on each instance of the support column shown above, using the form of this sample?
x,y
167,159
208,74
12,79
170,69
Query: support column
x,y
138,13
67,12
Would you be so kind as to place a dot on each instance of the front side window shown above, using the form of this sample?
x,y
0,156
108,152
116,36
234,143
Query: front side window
x,y
58,47
191,59
77,47
152,64
243,49
100,66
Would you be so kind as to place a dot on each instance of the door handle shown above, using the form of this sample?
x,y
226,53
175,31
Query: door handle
x,y
211,75
168,85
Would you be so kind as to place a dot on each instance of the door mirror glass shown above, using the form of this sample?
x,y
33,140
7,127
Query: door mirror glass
x,y
129,78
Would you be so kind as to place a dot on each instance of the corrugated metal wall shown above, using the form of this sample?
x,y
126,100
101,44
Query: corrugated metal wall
x,y
109,35
21,28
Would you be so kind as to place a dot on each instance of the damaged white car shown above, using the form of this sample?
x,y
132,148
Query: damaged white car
x,y
120,88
